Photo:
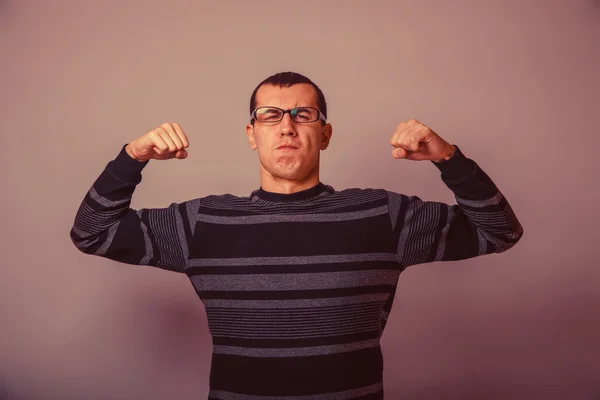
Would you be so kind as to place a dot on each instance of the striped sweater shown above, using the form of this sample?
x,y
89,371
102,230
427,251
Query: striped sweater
x,y
297,287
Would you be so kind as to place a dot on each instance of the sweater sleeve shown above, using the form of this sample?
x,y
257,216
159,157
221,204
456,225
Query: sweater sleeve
x,y
482,222
106,226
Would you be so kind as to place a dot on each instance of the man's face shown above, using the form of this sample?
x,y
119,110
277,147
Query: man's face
x,y
301,160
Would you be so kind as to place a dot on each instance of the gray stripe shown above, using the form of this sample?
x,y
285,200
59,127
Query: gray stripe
x,y
111,234
90,222
84,235
405,231
191,208
482,242
481,203
295,303
147,241
305,281
394,204
326,259
264,219
442,243
181,236
283,323
296,351
104,201
345,395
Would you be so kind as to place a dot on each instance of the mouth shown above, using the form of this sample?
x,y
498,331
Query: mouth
x,y
287,147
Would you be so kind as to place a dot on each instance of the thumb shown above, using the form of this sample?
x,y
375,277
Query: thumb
x,y
399,153
181,154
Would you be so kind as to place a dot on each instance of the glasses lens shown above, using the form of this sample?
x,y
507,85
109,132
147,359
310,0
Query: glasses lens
x,y
300,114
267,114
305,114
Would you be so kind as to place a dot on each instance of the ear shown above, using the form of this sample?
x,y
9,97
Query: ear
x,y
250,134
326,136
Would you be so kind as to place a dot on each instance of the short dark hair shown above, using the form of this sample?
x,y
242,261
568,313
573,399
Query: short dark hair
x,y
287,79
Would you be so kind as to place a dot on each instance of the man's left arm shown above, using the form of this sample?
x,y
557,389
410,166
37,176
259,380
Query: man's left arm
x,y
482,221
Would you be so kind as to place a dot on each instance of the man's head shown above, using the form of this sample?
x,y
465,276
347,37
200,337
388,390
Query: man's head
x,y
302,126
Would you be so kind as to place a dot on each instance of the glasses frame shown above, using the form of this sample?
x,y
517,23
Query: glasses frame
x,y
253,115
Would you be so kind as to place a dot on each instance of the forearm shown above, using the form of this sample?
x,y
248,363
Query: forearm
x,y
106,204
482,212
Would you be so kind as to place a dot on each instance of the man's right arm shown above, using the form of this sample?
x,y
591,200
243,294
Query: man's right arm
x,y
105,225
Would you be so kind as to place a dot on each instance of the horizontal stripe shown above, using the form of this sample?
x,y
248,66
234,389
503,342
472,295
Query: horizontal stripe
x,y
290,323
277,218
297,312
312,323
284,239
241,209
321,259
103,201
306,281
287,376
296,342
294,303
276,295
296,333
293,269
296,351
481,203
345,395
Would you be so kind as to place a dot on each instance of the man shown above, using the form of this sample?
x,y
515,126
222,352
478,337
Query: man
x,y
297,279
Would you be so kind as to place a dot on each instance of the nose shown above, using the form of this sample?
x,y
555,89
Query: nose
x,y
287,126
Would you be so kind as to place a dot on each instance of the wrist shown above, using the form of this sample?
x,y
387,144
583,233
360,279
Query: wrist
x,y
130,153
448,154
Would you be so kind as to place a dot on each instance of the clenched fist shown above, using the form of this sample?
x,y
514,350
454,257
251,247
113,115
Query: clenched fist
x,y
163,143
414,141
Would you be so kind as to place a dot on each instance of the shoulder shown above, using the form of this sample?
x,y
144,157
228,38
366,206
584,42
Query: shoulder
x,y
371,197
224,199
362,193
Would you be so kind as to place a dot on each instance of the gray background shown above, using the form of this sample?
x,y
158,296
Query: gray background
x,y
514,83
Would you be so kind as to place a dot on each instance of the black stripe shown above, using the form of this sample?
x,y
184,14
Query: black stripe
x,y
400,220
289,343
296,294
292,269
219,212
298,375
462,241
128,244
285,239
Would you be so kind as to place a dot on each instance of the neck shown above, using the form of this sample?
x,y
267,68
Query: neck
x,y
275,184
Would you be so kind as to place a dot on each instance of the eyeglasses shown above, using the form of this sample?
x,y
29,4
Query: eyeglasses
x,y
298,114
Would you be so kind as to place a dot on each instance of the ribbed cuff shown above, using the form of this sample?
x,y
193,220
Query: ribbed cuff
x,y
456,169
126,168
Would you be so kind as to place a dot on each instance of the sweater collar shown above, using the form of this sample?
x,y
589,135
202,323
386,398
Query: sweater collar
x,y
306,194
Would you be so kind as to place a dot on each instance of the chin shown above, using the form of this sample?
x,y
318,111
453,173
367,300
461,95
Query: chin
x,y
289,168
292,175
292,172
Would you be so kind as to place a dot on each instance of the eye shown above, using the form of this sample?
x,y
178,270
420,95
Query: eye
x,y
268,114
302,113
